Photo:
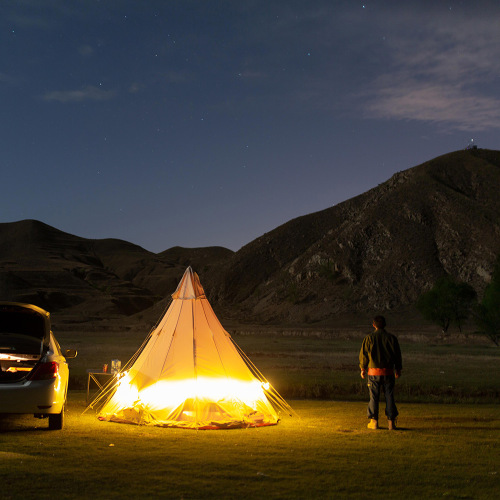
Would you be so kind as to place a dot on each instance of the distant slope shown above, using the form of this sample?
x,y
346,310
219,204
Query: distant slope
x,y
87,278
377,251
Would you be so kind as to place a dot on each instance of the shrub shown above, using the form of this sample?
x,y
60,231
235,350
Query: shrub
x,y
448,301
487,313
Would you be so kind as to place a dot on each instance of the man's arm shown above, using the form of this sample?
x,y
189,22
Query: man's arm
x,y
363,359
398,360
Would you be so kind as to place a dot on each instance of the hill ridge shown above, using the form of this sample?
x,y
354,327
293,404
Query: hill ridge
x,y
378,250
374,252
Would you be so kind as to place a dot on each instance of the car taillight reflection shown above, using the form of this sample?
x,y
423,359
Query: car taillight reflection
x,y
45,371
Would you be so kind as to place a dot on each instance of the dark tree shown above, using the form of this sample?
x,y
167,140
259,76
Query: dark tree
x,y
448,301
487,314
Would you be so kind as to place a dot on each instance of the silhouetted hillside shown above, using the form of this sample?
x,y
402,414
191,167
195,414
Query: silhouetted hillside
x,y
377,251
88,278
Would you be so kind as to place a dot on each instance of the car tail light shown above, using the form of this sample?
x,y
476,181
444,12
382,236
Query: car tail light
x,y
45,371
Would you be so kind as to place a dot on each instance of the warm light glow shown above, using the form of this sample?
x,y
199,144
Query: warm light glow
x,y
170,394
125,393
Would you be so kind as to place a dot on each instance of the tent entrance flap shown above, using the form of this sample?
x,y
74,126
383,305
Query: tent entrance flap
x,y
189,373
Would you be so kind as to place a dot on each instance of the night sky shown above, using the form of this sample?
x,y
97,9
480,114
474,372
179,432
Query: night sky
x,y
199,123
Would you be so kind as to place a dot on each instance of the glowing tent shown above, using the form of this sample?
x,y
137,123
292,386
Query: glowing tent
x,y
189,373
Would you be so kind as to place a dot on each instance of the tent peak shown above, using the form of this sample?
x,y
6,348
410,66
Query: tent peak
x,y
189,287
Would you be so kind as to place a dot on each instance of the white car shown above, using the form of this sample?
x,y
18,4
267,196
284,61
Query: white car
x,y
33,370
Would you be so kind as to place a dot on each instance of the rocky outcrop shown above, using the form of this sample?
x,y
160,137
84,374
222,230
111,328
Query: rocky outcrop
x,y
378,251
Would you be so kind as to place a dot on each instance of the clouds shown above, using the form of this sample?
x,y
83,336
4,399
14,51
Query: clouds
x,y
435,103
441,69
7,79
85,50
88,93
433,63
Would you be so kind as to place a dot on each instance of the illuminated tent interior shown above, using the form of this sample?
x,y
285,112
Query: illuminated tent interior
x,y
190,373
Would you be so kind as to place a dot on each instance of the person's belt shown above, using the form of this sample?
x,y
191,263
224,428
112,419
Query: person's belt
x,y
379,372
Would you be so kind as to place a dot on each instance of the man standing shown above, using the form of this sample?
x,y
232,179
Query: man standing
x,y
380,356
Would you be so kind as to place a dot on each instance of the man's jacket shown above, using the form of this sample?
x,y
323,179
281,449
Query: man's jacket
x,y
380,354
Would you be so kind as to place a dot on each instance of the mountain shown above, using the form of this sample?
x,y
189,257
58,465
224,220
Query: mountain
x,y
376,252
88,278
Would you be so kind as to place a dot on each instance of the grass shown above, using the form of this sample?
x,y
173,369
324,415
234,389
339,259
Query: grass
x,y
448,451
312,367
435,370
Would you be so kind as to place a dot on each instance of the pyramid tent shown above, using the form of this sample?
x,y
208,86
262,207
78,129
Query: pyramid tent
x,y
190,373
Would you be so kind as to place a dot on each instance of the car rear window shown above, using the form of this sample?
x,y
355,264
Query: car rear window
x,y
25,322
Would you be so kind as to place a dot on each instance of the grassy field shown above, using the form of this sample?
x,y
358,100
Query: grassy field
x,y
328,368
449,370
442,451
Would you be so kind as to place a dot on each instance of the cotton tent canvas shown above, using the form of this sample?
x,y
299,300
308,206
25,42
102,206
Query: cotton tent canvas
x,y
189,373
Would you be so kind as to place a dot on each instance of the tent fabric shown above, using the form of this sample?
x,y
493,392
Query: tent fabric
x,y
190,373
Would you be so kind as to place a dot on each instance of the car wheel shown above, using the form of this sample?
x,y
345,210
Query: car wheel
x,y
56,421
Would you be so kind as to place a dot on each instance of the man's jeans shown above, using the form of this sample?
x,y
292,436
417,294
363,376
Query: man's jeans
x,y
375,384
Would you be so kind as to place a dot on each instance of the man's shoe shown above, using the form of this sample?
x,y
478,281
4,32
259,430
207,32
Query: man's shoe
x,y
392,425
373,424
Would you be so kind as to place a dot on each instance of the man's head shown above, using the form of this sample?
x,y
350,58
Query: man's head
x,y
379,322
